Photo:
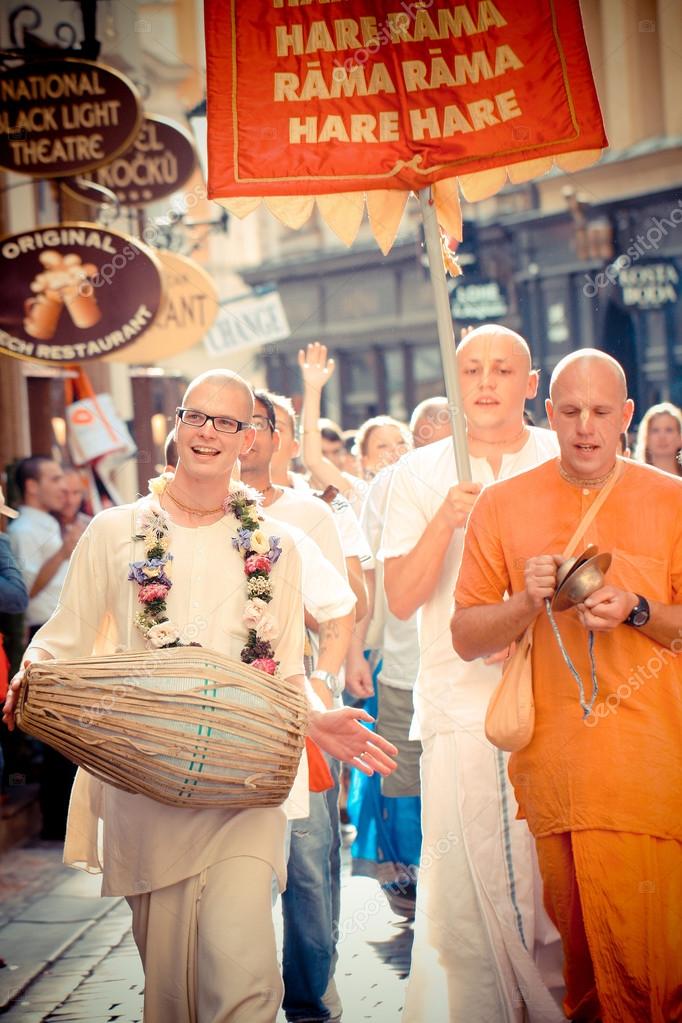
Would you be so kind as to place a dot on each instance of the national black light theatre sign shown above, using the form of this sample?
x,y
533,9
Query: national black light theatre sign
x,y
61,117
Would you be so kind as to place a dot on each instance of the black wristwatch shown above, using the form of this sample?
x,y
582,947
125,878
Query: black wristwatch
x,y
640,613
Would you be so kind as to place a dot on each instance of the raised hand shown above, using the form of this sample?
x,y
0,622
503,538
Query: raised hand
x,y
316,368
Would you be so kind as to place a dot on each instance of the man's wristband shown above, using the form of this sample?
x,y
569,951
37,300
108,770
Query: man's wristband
x,y
332,682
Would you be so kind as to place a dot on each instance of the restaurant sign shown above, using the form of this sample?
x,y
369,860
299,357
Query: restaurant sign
x,y
61,117
188,311
649,285
75,291
159,162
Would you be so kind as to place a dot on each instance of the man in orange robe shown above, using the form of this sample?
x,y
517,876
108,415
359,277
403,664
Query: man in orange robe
x,y
602,791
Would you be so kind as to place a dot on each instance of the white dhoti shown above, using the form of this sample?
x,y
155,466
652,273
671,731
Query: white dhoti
x,y
484,950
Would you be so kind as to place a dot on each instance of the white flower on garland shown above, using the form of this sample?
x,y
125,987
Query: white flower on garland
x,y
259,542
253,612
163,634
258,586
158,484
267,627
152,538
151,521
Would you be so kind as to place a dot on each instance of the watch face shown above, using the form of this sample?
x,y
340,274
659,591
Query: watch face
x,y
640,618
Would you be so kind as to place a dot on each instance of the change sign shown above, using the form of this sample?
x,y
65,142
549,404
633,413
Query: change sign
x,y
75,291
249,321
61,117
159,162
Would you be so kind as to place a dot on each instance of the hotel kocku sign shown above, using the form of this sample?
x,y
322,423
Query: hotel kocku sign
x,y
75,291
62,117
159,162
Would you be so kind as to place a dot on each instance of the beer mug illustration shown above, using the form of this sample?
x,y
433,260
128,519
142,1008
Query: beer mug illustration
x,y
64,281
42,314
79,294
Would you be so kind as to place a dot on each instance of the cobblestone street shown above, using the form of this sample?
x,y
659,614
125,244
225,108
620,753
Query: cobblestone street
x,y
70,955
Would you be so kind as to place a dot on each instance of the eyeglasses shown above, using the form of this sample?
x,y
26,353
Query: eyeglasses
x,y
223,424
261,423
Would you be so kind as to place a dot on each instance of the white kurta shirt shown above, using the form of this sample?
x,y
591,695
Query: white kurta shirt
x,y
450,693
147,845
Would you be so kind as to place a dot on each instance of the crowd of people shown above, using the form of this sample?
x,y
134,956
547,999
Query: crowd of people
x,y
542,886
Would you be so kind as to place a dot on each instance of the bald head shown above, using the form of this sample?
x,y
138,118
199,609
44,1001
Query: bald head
x,y
585,364
589,410
488,333
215,383
430,421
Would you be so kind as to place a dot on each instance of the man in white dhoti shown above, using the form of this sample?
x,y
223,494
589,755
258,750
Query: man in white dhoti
x,y
198,881
480,931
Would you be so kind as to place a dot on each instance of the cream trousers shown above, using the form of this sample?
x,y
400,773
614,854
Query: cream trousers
x,y
208,948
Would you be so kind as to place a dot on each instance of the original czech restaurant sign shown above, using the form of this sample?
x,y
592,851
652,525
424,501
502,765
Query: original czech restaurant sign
x,y
75,291
65,117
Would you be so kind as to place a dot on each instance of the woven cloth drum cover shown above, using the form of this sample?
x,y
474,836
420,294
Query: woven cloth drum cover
x,y
185,725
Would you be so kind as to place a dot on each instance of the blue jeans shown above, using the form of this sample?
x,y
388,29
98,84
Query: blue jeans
x,y
310,908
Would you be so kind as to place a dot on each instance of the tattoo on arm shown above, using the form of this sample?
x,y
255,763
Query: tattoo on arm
x,y
329,631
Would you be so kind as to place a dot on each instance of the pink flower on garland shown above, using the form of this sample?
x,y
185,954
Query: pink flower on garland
x,y
151,592
257,563
266,664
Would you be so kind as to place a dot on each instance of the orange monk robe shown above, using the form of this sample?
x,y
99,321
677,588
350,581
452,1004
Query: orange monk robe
x,y
617,772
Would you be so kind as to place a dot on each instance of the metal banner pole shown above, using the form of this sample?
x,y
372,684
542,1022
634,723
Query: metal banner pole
x,y
446,335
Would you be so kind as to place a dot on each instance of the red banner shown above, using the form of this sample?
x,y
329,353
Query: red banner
x,y
330,97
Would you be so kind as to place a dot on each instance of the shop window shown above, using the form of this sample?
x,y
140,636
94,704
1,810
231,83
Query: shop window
x,y
394,375
427,373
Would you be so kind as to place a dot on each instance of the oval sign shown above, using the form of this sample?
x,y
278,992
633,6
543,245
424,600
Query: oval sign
x,y
188,310
159,162
61,117
75,291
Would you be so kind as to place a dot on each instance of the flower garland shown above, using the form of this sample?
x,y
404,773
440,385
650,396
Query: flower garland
x,y
260,553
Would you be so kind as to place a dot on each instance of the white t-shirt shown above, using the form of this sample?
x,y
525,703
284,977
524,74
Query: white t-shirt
x,y
315,518
34,538
450,693
326,594
399,640
353,539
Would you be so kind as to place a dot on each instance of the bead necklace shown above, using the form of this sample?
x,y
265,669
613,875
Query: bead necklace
x,y
511,440
192,511
598,481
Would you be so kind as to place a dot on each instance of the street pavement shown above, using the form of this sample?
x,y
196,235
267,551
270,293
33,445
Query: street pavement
x,y
70,954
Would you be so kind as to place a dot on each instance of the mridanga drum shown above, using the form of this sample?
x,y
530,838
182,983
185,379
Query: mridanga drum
x,y
185,725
